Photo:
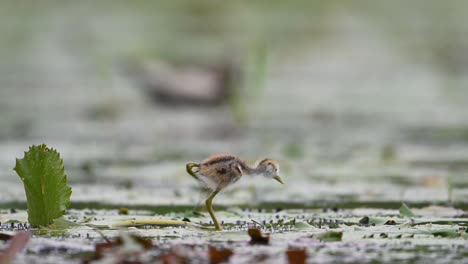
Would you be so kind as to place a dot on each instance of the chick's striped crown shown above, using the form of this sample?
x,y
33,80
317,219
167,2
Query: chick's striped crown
x,y
266,162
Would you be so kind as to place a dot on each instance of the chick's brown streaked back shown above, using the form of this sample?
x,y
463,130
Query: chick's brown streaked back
x,y
218,158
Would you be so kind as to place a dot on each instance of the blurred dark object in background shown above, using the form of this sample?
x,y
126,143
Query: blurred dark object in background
x,y
188,83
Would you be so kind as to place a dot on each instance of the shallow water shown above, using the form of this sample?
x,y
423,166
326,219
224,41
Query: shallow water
x,y
361,110
360,243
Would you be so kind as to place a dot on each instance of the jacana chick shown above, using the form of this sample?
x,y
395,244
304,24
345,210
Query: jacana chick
x,y
219,171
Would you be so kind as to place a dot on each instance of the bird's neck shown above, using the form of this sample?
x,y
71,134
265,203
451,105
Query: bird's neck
x,y
253,171
250,171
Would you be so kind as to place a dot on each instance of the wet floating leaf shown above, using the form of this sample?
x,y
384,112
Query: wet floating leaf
x,y
405,211
450,233
62,224
303,226
329,236
256,237
441,221
59,227
219,255
296,256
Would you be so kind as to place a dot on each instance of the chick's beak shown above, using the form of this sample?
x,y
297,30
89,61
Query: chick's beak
x,y
278,178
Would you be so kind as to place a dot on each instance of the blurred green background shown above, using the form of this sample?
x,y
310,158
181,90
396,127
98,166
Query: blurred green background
x,y
358,100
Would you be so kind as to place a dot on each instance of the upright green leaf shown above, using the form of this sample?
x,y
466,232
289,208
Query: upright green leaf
x,y
405,211
45,183
450,188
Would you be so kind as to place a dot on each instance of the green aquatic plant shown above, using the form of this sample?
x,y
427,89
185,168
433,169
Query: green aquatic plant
x,y
450,189
45,183
406,211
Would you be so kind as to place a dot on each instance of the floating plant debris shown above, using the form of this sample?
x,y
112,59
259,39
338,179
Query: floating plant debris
x,y
329,236
219,255
256,237
296,256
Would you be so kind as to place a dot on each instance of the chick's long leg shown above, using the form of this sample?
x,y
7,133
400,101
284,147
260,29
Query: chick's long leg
x,y
209,207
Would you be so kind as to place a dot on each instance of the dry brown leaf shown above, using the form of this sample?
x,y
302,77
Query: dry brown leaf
x,y
296,256
101,248
172,258
16,244
219,255
256,237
